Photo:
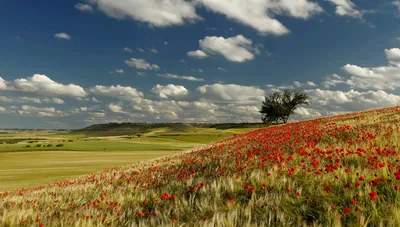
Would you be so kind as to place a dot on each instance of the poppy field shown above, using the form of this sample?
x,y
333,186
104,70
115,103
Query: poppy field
x,y
336,171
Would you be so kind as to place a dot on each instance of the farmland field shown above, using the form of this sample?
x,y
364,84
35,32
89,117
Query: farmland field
x,y
29,159
335,171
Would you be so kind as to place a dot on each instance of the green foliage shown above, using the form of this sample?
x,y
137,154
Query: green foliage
x,y
279,106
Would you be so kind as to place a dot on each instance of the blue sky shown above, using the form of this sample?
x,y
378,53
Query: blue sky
x,y
69,64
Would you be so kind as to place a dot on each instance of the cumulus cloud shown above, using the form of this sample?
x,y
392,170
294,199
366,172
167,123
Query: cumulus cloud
x,y
154,12
42,85
307,112
119,92
62,36
231,93
154,50
39,111
235,49
346,8
333,80
141,64
116,107
24,99
140,49
383,77
127,49
259,14
120,71
169,90
197,54
330,102
393,55
308,83
83,7
173,76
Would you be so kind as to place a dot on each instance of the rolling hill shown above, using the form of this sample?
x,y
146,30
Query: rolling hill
x,y
335,171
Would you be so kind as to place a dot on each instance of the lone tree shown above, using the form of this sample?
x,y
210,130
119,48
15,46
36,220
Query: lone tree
x,y
279,106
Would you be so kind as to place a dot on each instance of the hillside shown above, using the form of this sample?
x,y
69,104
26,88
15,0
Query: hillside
x,y
118,129
335,171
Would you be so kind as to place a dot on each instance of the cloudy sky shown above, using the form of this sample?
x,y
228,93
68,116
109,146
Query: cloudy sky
x,y
69,64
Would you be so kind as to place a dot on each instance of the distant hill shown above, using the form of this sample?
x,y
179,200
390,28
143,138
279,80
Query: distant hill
x,y
118,129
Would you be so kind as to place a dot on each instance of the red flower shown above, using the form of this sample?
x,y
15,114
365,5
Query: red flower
x,y
372,195
288,189
174,220
346,211
361,178
353,201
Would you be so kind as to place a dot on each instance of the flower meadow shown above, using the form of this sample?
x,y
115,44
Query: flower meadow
x,y
335,171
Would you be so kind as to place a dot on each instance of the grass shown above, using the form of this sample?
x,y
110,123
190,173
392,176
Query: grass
x,y
27,169
22,166
336,171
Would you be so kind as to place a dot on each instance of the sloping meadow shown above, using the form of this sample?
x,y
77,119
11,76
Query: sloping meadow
x,y
336,171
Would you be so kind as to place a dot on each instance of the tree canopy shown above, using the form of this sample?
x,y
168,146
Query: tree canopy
x,y
278,106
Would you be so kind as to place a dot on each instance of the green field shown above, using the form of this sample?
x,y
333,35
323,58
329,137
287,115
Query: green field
x,y
32,158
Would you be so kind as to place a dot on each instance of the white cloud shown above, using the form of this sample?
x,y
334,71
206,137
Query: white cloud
x,y
259,14
62,36
3,85
154,12
141,73
311,84
119,92
141,64
196,54
231,93
53,100
39,111
393,55
42,85
308,83
154,51
139,49
221,69
83,7
329,102
383,77
24,99
169,90
307,112
120,71
236,49
116,108
333,80
297,84
127,49
165,43
346,8
173,76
